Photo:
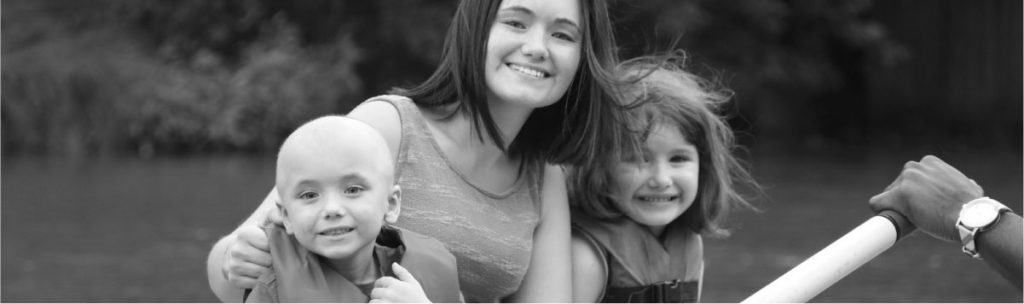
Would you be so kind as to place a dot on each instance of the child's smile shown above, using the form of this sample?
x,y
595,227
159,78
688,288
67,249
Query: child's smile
x,y
336,187
336,233
657,188
657,199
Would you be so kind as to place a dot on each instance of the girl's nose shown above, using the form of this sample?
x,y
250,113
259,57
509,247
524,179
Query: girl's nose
x,y
659,178
534,46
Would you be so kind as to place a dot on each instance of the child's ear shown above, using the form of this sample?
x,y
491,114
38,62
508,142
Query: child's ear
x,y
394,205
284,218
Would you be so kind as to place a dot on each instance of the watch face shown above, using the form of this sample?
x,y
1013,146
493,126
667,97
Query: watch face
x,y
978,214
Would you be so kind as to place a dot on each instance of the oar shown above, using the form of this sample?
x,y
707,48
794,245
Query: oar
x,y
837,260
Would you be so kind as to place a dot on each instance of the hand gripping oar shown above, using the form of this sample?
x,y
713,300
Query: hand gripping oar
x,y
837,260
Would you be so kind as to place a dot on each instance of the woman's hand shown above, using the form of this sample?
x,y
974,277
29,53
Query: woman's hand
x,y
238,259
403,289
248,257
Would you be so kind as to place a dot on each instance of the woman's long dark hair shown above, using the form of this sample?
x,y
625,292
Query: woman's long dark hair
x,y
572,130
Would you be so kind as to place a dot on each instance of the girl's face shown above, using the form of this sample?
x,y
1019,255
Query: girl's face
x,y
533,51
658,187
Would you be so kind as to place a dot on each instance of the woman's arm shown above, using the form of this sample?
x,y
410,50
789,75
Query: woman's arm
x,y
238,259
382,116
549,277
589,276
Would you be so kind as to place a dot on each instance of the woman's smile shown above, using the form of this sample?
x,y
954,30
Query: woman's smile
x,y
529,71
533,52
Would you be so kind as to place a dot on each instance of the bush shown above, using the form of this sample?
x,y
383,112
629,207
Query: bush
x,y
98,91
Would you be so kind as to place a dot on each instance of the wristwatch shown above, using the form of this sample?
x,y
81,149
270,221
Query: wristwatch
x,y
975,216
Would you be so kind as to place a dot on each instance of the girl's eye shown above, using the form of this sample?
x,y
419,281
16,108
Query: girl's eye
x,y
354,190
645,158
678,159
634,158
308,195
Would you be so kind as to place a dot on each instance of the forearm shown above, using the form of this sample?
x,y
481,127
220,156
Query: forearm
x,y
1001,247
219,283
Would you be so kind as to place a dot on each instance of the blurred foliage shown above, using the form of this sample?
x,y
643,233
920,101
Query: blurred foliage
x,y
180,76
798,66
166,77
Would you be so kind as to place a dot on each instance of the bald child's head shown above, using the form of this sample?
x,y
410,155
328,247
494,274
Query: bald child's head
x,y
335,139
335,180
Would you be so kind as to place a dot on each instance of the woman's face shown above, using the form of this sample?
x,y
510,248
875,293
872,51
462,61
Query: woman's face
x,y
533,51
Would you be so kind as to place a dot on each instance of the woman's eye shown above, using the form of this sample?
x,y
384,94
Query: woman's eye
x,y
353,190
564,36
678,159
308,195
515,24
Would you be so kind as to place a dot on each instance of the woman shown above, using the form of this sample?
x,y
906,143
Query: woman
x,y
523,86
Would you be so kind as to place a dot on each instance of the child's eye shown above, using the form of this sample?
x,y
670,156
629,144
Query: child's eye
x,y
308,195
354,190
645,158
633,158
678,159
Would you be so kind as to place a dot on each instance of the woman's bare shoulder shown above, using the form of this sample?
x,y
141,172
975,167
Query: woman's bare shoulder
x,y
383,116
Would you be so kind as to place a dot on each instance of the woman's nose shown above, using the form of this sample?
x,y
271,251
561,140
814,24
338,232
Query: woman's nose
x,y
534,46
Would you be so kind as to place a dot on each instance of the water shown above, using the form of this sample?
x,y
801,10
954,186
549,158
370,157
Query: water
x,y
116,230
120,229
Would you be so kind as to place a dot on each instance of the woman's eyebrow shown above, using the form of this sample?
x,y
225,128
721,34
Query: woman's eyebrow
x,y
527,11
568,22
518,9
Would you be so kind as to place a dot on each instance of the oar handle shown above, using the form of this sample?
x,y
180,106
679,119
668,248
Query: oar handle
x,y
903,226
835,261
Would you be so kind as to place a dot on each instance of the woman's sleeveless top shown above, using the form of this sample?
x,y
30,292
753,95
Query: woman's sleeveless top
x,y
640,267
490,234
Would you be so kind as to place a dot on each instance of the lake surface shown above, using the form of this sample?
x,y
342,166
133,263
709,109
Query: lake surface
x,y
117,230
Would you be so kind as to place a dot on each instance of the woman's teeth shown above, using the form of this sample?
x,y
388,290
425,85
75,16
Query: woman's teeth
x,y
527,71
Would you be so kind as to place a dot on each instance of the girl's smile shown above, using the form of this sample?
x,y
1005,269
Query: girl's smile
x,y
658,187
656,199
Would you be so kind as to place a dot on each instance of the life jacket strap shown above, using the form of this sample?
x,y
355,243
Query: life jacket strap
x,y
671,291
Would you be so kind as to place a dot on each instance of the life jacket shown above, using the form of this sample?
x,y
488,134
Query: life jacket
x,y
299,275
641,268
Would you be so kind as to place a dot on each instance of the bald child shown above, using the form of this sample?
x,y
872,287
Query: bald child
x,y
337,198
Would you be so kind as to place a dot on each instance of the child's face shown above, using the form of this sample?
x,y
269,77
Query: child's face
x,y
658,187
335,200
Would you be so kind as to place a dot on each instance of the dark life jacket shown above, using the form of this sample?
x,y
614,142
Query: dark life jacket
x,y
299,275
640,267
